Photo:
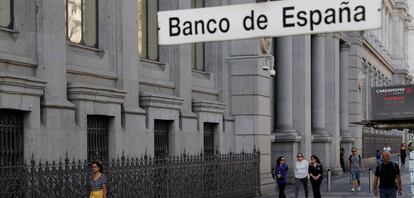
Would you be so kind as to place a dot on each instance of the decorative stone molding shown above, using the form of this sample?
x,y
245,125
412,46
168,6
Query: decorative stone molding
x,y
208,106
147,100
77,91
285,137
21,85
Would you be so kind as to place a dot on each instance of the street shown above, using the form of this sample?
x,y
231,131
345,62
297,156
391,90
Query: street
x,y
340,187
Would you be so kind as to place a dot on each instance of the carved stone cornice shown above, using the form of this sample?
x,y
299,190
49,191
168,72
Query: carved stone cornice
x,y
208,106
147,100
21,85
83,92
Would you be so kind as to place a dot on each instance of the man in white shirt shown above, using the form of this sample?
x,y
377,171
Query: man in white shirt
x,y
387,148
301,174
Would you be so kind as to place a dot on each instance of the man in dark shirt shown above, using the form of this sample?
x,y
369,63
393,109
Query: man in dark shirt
x,y
387,172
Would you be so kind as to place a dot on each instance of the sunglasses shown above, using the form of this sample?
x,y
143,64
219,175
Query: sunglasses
x,y
353,151
299,156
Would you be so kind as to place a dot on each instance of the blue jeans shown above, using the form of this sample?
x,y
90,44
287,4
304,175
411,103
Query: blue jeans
x,y
388,192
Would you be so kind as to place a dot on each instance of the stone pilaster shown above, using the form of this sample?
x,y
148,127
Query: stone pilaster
x,y
57,113
356,88
250,103
346,137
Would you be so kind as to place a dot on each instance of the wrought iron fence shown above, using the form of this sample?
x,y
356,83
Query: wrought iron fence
x,y
221,175
374,139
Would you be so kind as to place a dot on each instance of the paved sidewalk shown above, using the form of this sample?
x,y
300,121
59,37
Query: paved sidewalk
x,y
340,187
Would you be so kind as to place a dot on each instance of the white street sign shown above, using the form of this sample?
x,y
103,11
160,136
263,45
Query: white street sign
x,y
269,19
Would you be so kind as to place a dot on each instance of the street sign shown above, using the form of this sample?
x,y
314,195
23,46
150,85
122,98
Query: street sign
x,y
269,19
393,103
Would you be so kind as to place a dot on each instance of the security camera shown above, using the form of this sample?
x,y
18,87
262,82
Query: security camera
x,y
265,68
272,73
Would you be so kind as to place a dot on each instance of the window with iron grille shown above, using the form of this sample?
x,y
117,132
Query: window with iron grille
x,y
11,137
6,14
161,138
209,136
98,138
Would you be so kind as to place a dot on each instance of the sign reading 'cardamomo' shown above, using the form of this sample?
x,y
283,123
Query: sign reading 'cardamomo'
x,y
269,19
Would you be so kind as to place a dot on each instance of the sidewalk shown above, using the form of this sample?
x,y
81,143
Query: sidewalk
x,y
340,187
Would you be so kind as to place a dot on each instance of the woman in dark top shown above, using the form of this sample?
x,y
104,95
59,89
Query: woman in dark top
x,y
280,174
403,154
98,182
315,174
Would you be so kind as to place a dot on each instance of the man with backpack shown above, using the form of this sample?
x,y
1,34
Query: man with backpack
x,y
355,165
387,173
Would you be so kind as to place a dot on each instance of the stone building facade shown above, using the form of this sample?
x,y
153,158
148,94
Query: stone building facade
x,y
87,78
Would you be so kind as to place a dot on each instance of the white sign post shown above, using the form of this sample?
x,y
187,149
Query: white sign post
x,y
269,19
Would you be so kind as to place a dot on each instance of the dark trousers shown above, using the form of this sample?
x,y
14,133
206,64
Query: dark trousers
x,y
388,192
282,190
403,159
304,181
316,188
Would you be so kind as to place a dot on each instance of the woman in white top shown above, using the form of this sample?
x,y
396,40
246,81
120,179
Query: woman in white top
x,y
301,174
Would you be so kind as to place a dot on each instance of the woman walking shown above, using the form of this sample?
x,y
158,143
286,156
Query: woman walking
x,y
315,174
98,182
301,174
281,170
403,154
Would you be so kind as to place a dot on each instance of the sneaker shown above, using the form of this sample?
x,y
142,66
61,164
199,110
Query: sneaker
x,y
353,189
359,188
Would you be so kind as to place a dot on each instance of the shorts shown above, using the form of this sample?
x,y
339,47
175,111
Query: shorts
x,y
96,194
355,174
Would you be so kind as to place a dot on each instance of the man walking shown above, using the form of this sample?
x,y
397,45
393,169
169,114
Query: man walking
x,y
387,172
356,165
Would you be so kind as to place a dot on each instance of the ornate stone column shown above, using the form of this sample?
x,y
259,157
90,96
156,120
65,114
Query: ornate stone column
x,y
301,88
321,138
286,139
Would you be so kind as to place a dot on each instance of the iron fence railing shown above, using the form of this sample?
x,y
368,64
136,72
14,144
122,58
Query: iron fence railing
x,y
220,175
374,139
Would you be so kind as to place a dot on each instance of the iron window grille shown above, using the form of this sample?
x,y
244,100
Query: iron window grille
x,y
97,138
209,136
11,137
161,138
